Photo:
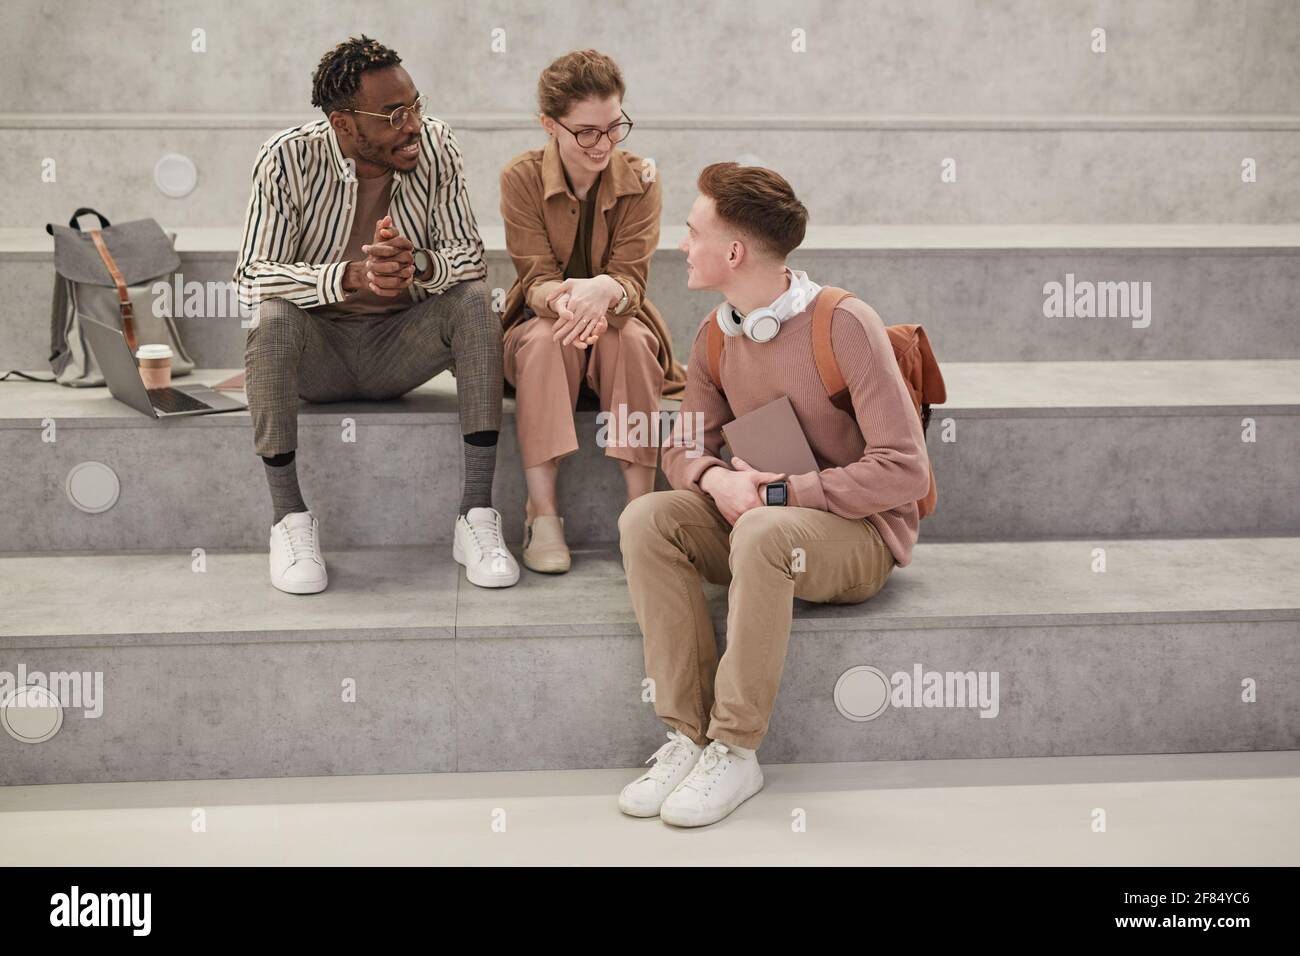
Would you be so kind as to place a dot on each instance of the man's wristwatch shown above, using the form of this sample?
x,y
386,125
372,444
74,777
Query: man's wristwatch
x,y
423,263
776,493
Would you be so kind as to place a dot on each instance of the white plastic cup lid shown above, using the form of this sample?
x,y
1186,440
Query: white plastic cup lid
x,y
154,352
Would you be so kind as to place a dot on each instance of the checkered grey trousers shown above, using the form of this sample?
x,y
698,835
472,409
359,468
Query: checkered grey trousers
x,y
292,354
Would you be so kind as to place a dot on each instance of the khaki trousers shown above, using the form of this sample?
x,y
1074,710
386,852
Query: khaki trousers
x,y
672,539
622,368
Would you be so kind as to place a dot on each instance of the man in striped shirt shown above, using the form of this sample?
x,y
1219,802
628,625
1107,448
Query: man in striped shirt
x,y
364,270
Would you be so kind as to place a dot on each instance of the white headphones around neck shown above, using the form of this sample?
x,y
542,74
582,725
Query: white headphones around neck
x,y
761,325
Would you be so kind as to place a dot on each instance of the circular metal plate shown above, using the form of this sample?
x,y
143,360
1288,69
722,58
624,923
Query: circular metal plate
x,y
92,487
862,693
175,175
31,714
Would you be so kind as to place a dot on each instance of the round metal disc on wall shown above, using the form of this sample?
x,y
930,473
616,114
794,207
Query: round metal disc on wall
x,y
92,487
31,714
175,175
862,693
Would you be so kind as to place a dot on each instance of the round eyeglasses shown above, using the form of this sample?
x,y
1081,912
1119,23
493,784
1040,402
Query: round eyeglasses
x,y
589,136
397,118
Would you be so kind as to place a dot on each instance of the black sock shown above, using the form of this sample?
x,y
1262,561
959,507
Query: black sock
x,y
282,476
480,465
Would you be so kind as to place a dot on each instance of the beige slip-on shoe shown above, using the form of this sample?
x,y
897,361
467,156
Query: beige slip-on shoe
x,y
544,547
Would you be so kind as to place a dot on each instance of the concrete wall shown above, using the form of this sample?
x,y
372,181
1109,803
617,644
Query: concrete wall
x,y
727,56
1044,129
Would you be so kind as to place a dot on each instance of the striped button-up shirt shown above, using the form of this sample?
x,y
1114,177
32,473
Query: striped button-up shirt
x,y
303,203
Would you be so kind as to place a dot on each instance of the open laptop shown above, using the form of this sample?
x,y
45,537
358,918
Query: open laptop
x,y
122,375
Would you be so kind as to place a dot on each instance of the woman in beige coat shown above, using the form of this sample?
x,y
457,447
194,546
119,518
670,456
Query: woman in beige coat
x,y
582,224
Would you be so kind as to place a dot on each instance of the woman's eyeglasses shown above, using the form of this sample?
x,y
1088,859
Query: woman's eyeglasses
x,y
397,118
589,136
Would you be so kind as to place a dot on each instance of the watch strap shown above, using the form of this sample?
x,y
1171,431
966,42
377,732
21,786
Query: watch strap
x,y
623,302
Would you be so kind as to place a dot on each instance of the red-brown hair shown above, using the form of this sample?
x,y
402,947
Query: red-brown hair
x,y
759,203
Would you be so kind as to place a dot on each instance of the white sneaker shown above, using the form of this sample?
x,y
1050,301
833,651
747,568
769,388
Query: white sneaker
x,y
479,546
296,563
673,761
720,781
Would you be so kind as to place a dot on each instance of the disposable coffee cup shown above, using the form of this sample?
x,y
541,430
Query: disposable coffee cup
x,y
155,365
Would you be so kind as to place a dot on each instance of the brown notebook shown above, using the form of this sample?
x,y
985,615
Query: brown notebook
x,y
771,439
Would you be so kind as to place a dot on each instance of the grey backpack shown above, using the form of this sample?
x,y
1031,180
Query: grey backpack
x,y
109,274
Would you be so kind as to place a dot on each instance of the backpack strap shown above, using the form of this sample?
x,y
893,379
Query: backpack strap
x,y
123,296
715,343
828,369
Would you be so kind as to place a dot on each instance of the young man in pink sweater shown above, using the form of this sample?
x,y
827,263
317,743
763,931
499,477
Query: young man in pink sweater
x,y
831,535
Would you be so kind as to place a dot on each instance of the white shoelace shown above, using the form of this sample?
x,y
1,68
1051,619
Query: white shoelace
x,y
665,758
301,541
489,528
708,767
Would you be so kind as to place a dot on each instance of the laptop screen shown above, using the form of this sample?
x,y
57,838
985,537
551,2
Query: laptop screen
x,y
118,365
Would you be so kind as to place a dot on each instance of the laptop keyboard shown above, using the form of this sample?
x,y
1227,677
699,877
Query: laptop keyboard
x,y
172,400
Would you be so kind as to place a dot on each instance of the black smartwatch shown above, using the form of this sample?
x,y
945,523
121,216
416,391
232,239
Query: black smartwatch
x,y
775,492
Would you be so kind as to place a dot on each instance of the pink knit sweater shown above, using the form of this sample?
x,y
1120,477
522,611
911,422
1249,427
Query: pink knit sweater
x,y
879,479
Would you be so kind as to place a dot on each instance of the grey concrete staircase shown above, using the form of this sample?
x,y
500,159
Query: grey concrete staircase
x,y
215,674
1022,451
1118,531
1083,440
1216,291
848,169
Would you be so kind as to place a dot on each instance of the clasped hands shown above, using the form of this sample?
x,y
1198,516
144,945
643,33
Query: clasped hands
x,y
580,305
389,265
581,309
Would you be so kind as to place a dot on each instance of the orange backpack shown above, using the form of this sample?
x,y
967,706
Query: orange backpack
x,y
912,351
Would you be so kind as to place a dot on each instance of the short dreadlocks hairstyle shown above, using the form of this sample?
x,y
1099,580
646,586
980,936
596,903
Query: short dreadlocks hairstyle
x,y
338,76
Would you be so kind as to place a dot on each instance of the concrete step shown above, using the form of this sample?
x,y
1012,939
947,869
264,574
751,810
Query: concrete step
x,y
213,673
846,168
1021,451
1215,292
